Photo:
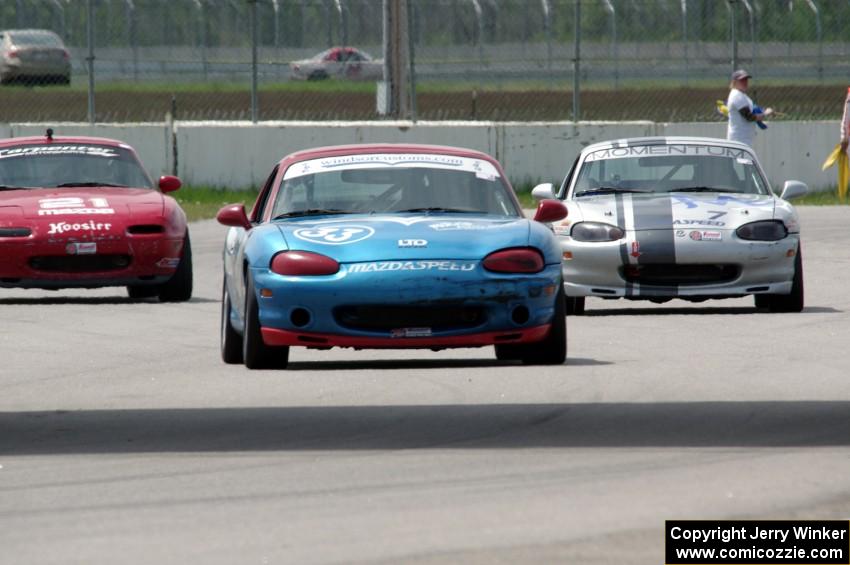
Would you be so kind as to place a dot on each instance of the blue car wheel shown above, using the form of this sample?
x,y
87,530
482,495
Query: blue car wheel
x,y
256,354
550,351
231,341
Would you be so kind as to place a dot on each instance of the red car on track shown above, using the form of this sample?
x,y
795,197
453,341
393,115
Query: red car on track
x,y
81,212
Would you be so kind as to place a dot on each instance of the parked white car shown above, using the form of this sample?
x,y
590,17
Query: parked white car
x,y
338,62
33,56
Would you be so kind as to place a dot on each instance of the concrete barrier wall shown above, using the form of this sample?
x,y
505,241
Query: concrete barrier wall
x,y
240,155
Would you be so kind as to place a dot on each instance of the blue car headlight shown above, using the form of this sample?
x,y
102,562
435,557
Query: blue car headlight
x,y
766,230
596,231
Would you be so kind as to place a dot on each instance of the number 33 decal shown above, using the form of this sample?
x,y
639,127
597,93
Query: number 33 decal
x,y
335,235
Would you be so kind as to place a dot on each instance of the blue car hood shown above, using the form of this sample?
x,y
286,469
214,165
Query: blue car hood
x,y
371,237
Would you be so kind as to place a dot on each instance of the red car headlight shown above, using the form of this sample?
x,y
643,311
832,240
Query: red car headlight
x,y
303,263
515,260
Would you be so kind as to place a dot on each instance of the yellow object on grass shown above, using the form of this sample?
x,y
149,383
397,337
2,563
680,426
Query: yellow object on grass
x,y
840,158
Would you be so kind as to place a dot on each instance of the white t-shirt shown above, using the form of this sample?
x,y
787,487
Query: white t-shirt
x,y
739,129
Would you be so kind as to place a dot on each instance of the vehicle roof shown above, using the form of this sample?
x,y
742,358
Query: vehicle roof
x,y
38,139
36,31
665,140
364,148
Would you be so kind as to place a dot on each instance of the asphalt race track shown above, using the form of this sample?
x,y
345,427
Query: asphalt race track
x,y
124,439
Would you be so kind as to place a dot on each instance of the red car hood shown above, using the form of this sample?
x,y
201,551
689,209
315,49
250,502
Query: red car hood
x,y
80,203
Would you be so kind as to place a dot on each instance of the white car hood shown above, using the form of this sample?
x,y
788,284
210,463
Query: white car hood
x,y
672,210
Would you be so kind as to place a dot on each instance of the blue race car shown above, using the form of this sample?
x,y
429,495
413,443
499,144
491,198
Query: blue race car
x,y
390,246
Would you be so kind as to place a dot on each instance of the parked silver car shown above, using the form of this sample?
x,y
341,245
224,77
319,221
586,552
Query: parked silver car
x,y
33,56
677,217
338,62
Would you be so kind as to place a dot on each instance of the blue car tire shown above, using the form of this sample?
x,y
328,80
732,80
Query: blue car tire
x,y
550,351
256,354
231,341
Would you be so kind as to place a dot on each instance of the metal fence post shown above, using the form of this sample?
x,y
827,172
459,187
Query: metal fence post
x,y
202,21
19,14
130,15
276,10
577,65
479,16
732,6
819,31
254,40
342,11
90,58
411,46
396,59
547,29
61,11
685,37
615,51
329,21
753,39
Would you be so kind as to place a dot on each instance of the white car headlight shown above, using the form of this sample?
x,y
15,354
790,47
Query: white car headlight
x,y
767,230
596,231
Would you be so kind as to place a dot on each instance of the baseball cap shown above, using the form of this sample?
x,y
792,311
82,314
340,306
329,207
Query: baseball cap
x,y
741,74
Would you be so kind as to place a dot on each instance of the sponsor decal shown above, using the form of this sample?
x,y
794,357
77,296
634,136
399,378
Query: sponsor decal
x,y
481,169
411,332
648,150
380,266
168,262
635,249
412,243
706,235
714,223
680,233
33,150
460,226
723,200
335,235
64,227
73,205
85,248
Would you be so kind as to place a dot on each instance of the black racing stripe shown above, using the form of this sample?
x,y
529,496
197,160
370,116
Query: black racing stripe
x,y
656,245
624,250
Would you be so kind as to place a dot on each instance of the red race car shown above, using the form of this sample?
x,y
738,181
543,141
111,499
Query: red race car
x,y
81,212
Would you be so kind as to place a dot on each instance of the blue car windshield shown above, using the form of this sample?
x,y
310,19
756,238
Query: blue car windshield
x,y
70,164
669,168
394,189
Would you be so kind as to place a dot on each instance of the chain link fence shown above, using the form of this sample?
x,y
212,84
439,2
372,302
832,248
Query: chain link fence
x,y
526,60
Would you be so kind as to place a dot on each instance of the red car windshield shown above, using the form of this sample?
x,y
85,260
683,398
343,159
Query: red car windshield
x,y
70,164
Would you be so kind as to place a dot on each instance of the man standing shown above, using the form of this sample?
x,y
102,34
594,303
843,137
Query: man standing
x,y
743,115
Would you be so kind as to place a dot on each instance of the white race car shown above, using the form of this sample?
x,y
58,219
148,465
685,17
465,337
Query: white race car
x,y
338,62
658,218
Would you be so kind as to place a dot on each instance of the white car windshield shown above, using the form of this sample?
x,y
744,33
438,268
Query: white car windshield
x,y
669,168
70,164
393,183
